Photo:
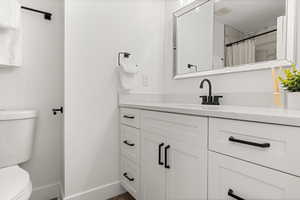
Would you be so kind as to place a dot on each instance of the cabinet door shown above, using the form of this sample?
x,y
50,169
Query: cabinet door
x,y
231,179
152,174
187,176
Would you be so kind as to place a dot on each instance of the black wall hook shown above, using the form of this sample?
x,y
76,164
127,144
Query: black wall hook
x,y
55,110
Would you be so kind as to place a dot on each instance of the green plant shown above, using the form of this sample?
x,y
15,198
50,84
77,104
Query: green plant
x,y
292,80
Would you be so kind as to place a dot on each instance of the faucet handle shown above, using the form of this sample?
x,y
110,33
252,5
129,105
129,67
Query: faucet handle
x,y
217,100
204,99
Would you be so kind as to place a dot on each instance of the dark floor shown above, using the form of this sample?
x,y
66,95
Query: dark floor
x,y
125,196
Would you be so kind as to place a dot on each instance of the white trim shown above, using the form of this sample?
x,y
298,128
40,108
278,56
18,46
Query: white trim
x,y
291,30
61,189
46,192
244,68
189,7
101,192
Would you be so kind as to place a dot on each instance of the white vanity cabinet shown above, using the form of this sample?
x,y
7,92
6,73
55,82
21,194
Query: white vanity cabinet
x,y
168,156
130,150
163,155
173,156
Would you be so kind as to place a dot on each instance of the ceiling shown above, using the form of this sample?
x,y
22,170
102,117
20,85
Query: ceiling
x,y
249,16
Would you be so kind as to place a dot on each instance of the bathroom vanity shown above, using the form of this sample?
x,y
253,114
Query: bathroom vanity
x,y
187,151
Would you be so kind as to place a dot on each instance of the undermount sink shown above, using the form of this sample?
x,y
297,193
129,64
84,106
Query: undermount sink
x,y
200,106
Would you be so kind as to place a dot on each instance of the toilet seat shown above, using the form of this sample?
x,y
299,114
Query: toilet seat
x,y
15,184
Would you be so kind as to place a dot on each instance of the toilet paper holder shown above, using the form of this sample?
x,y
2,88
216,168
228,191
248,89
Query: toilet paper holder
x,y
124,54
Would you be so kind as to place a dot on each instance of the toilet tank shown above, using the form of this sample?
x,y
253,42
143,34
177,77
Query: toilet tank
x,y
17,130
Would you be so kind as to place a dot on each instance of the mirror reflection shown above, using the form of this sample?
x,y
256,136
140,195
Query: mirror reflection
x,y
194,39
248,31
219,34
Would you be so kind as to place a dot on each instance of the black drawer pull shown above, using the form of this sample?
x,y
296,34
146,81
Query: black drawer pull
x,y
129,144
167,166
263,145
127,177
231,194
159,154
128,117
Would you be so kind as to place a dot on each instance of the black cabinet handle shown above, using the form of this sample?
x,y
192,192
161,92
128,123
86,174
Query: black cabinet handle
x,y
159,154
128,117
127,177
129,144
263,145
167,166
231,194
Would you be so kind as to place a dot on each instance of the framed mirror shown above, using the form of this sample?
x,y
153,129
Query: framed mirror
x,y
225,36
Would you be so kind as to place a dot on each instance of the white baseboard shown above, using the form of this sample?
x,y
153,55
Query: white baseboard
x,y
62,191
46,192
102,192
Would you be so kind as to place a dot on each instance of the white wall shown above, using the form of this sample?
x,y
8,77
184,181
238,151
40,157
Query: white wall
x,y
96,30
246,82
38,84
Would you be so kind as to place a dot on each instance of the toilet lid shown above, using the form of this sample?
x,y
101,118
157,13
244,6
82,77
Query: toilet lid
x,y
14,183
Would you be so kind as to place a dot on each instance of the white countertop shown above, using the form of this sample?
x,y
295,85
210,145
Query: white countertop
x,y
256,114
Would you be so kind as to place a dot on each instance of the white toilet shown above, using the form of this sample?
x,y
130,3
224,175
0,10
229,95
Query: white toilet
x,y
16,140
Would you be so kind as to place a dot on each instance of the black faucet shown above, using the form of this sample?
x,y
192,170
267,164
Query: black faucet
x,y
209,100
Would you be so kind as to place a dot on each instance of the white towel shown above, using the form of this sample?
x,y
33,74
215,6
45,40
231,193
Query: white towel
x,y
128,70
128,81
10,34
9,14
128,65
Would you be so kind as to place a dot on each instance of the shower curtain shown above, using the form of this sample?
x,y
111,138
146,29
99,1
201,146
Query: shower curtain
x,y
241,53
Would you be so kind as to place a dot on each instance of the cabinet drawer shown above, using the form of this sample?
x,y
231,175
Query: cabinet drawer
x,y
274,146
230,178
185,129
130,143
129,176
130,117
